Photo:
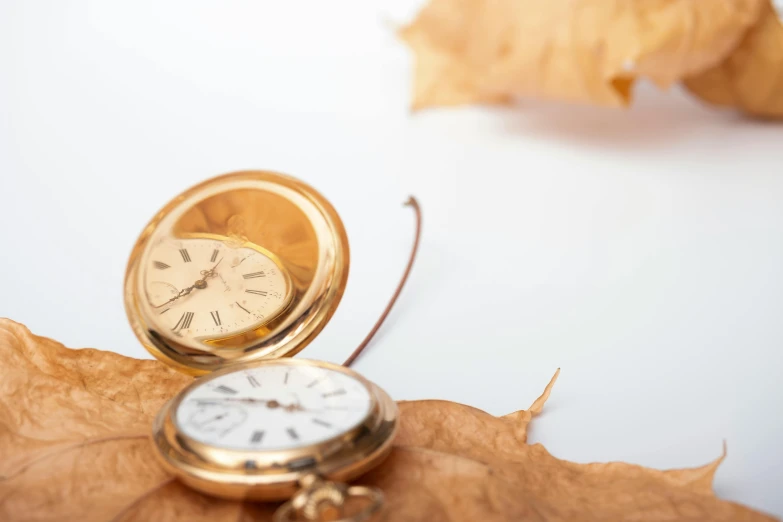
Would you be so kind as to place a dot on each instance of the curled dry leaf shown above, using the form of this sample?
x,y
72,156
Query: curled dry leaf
x,y
590,51
751,77
74,446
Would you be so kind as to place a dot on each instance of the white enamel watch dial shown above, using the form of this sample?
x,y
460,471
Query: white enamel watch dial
x,y
273,407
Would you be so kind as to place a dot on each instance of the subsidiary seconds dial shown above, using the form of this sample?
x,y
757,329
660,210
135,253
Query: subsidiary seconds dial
x,y
203,288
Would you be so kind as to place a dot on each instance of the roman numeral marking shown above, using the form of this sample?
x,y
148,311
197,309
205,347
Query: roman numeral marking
x,y
292,433
332,394
184,321
242,307
322,423
214,255
285,380
184,253
256,437
225,389
160,265
254,275
253,381
215,317
319,379
256,292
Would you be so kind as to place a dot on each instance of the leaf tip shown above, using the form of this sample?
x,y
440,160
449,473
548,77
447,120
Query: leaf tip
x,y
538,405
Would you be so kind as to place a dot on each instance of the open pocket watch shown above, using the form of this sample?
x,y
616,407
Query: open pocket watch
x,y
227,282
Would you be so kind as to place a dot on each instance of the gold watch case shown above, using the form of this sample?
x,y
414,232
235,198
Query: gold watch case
x,y
278,216
299,237
276,474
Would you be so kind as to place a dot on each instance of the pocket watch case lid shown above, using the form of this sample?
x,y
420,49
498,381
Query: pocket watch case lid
x,y
245,266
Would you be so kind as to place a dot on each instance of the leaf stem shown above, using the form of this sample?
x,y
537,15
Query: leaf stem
x,y
417,210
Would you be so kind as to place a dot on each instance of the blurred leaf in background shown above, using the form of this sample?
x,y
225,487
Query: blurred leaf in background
x,y
593,51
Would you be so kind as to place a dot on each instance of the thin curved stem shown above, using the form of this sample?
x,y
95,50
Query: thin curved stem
x,y
417,209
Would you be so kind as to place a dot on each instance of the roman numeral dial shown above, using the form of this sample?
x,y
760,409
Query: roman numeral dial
x,y
200,290
274,406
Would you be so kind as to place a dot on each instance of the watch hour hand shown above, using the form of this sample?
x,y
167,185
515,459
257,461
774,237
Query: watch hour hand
x,y
200,284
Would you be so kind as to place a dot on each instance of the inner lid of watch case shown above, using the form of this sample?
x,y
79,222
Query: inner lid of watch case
x,y
272,307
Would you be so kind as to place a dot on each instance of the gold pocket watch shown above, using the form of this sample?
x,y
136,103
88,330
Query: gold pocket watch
x,y
227,282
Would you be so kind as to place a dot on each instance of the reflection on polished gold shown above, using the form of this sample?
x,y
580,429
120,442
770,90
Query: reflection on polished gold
x,y
262,218
324,500
243,266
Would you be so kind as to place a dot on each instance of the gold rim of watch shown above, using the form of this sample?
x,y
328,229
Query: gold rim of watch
x,y
276,474
280,217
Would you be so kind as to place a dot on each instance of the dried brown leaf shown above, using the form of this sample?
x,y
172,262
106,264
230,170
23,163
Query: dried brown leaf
x,y
751,77
588,51
74,445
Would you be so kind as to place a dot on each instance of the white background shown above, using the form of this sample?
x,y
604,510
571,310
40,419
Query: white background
x,y
639,250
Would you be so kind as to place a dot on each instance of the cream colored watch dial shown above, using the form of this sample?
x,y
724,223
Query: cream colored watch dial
x,y
200,289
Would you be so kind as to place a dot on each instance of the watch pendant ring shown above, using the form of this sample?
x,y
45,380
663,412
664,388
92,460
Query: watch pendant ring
x,y
373,502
